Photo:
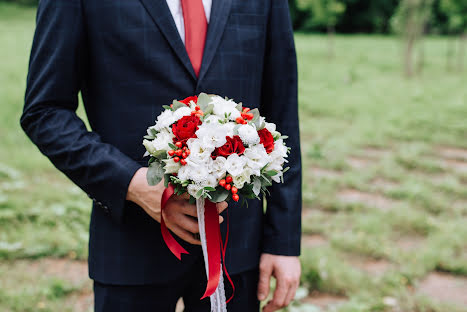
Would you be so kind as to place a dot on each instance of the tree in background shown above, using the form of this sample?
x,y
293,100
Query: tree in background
x,y
410,20
324,13
456,13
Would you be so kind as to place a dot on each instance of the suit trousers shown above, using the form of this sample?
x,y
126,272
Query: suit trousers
x,y
164,297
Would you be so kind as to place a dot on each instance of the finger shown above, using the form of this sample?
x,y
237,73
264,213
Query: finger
x,y
265,272
291,294
184,234
222,206
221,219
189,209
185,222
280,294
270,307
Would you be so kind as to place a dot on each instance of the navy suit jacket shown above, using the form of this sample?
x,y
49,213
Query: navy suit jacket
x,y
127,59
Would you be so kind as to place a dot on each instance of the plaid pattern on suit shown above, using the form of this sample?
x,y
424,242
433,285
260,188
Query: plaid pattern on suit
x,y
127,59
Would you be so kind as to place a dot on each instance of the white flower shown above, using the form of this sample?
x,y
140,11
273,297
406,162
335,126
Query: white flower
x,y
193,189
162,140
184,173
199,153
279,148
149,147
218,167
225,107
240,180
164,120
212,135
171,166
181,112
211,119
235,164
257,158
248,134
271,127
198,173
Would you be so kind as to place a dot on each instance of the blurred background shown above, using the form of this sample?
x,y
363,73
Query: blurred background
x,y
383,108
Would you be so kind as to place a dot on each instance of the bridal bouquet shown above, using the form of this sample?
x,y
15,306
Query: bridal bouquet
x,y
215,150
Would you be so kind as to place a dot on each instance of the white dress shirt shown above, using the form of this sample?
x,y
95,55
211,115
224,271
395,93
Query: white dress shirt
x,y
175,7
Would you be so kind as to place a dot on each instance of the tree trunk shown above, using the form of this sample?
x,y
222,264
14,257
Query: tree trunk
x,y
331,35
462,44
409,56
450,54
421,57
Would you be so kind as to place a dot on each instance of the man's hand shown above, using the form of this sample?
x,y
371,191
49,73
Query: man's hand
x,y
179,215
287,272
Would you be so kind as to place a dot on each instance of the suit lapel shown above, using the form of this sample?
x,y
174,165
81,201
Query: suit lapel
x,y
160,13
218,19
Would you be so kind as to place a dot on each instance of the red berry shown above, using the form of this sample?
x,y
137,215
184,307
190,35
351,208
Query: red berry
x,y
234,190
171,152
239,120
179,152
228,179
171,105
235,197
183,162
193,113
184,155
249,116
176,159
222,182
179,144
188,152
197,107
246,109
228,187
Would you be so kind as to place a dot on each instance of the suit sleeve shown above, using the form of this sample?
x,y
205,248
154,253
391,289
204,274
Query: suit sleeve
x,y
56,71
282,228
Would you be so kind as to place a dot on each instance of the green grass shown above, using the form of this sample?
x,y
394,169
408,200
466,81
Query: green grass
x,y
355,106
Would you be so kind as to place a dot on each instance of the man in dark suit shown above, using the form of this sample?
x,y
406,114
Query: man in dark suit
x,y
128,58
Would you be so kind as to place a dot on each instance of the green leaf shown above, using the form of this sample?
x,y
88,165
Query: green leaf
x,y
199,193
256,185
271,173
210,189
203,101
192,200
166,180
160,154
239,107
172,146
219,195
149,137
167,107
176,105
155,173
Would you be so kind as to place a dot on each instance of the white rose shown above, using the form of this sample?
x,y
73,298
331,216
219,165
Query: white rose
x,y
280,148
181,112
248,134
218,167
257,158
211,119
212,135
198,173
171,166
271,127
162,140
164,120
224,107
240,180
193,189
235,164
184,173
199,153
149,147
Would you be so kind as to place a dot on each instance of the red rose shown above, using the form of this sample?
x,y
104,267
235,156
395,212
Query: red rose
x,y
265,138
233,145
188,99
185,128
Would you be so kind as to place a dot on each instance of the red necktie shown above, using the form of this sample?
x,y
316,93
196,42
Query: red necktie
x,y
196,27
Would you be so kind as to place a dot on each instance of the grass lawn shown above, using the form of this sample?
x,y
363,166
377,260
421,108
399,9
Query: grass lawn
x,y
385,184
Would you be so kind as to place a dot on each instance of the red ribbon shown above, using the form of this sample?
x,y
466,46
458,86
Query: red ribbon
x,y
213,242
170,241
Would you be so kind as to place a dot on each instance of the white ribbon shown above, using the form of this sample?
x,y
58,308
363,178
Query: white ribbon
x,y
218,303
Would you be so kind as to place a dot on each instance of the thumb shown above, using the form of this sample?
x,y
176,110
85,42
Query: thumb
x,y
265,272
